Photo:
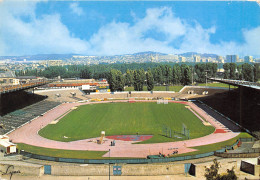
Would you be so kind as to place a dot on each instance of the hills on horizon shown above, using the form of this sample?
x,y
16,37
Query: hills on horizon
x,y
68,56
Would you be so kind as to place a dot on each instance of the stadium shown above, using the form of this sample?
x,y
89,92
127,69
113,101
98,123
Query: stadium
x,y
75,128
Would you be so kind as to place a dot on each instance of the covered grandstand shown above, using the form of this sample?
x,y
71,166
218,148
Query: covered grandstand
x,y
15,119
240,106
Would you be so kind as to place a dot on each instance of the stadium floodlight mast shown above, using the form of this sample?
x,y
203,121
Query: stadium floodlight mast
x,y
109,165
206,75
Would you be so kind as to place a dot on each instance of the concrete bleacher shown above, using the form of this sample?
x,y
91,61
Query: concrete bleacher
x,y
202,90
19,117
65,94
134,94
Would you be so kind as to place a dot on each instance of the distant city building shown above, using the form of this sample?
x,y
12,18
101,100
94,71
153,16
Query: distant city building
x,y
54,62
248,59
220,59
203,59
240,60
232,58
169,57
7,77
182,59
196,59
26,79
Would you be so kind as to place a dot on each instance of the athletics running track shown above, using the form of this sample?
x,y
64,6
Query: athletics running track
x,y
28,134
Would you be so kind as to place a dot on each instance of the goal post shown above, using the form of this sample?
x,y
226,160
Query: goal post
x,y
162,101
185,131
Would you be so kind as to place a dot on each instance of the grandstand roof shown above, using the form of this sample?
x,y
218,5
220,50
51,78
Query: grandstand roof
x,y
26,77
6,143
7,74
249,84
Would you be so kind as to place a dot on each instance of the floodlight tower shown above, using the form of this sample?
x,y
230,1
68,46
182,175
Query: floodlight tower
x,y
109,165
206,75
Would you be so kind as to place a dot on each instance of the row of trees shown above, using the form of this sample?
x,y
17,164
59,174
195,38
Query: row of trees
x,y
179,74
245,71
150,74
160,75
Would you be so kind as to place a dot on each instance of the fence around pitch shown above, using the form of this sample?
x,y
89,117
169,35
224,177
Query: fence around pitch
x,y
115,161
133,161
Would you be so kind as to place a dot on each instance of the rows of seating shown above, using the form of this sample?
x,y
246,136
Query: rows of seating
x,y
19,117
63,95
76,98
125,94
201,90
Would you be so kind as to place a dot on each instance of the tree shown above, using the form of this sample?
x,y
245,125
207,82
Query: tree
x,y
230,175
247,72
168,74
149,80
200,72
142,77
54,71
232,71
112,80
129,77
212,172
116,80
239,72
212,69
186,74
120,81
176,74
85,73
137,81
158,75
226,68
256,72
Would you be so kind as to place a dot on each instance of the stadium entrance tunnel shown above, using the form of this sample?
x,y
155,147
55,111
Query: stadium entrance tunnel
x,y
190,169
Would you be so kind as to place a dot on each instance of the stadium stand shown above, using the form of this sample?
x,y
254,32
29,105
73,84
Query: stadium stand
x,y
76,98
227,123
189,92
242,108
12,101
19,117
202,90
12,88
125,95
65,94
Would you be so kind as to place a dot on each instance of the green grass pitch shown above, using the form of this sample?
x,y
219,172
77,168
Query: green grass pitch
x,y
87,121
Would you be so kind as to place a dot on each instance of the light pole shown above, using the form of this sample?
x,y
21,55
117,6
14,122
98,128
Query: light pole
x,y
206,76
191,75
109,165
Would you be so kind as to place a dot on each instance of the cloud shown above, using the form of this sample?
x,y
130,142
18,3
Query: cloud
x,y
252,39
76,9
35,35
122,38
159,30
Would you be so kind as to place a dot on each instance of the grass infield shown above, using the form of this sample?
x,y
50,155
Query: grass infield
x,y
87,121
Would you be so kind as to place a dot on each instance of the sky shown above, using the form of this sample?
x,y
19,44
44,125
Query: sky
x,y
126,27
